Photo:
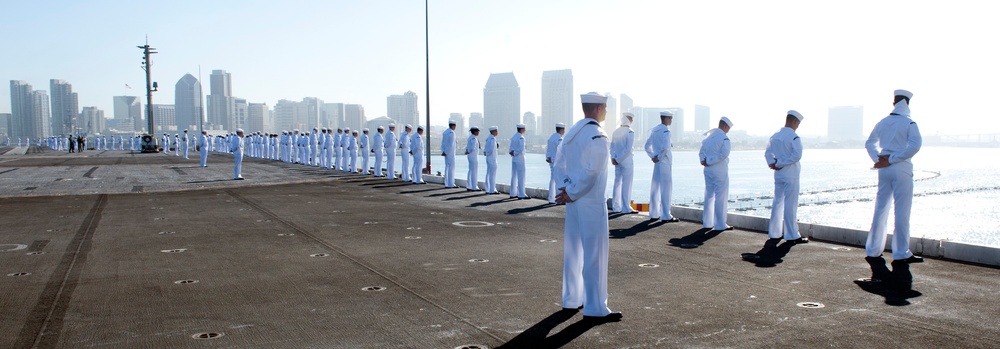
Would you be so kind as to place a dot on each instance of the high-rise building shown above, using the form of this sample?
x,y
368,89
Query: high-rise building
x,y
23,123
460,123
5,128
476,119
354,117
531,122
626,103
65,108
165,119
40,111
257,118
240,115
403,109
128,114
221,104
846,124
91,121
311,112
702,118
613,118
187,103
331,115
502,102
557,97
676,125
285,115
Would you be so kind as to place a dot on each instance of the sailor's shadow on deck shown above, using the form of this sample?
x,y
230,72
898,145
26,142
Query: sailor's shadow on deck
x,y
695,239
463,191
771,254
467,196
530,209
895,286
421,190
635,229
487,203
535,336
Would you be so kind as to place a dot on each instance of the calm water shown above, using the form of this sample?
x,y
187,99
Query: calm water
x,y
956,191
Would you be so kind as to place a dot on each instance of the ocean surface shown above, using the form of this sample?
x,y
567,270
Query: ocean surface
x,y
956,192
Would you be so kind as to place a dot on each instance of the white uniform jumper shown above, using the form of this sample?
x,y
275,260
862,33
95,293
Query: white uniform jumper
x,y
551,147
784,151
582,166
363,153
517,173
448,149
622,142
715,152
203,150
661,188
236,147
472,148
899,140
491,163
417,148
404,147
378,145
390,154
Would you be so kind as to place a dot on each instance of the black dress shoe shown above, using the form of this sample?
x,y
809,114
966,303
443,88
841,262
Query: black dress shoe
x,y
613,317
801,240
729,227
573,309
913,259
672,220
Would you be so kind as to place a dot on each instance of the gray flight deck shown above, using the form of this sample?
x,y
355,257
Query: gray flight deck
x,y
108,249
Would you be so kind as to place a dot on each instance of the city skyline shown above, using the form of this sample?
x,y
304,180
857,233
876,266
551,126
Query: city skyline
x,y
748,61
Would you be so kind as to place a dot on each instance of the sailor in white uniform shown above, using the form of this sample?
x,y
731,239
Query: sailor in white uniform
x,y
345,161
203,148
472,148
335,149
659,149
184,139
551,147
236,147
363,149
622,144
352,148
177,145
714,155
892,145
784,150
314,147
490,150
390,152
517,174
404,147
448,152
166,144
417,150
378,148
582,166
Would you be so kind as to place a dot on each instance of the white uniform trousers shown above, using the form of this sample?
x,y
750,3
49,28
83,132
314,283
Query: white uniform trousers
x,y
716,197
417,176
203,153
378,162
449,170
895,186
405,173
472,179
364,160
622,192
661,191
185,150
585,258
353,165
313,160
517,180
237,164
552,182
491,175
785,206
390,162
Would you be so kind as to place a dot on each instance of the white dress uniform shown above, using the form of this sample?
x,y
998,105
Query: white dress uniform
x,y
784,150
404,146
203,150
517,174
714,151
582,166
899,139
184,139
661,187
335,149
177,146
417,148
448,149
236,147
472,148
378,145
352,149
622,143
363,150
491,162
390,154
166,144
344,160
313,148
328,149
551,147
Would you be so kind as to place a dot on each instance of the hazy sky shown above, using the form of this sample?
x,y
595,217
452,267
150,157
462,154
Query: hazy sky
x,y
749,60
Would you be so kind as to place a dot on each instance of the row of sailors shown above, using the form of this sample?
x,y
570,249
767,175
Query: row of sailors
x,y
100,143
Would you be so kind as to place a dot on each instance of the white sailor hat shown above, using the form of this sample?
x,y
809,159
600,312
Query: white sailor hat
x,y
392,125
560,125
239,130
185,130
354,132
420,127
727,121
520,126
668,114
452,122
593,98
347,129
296,130
365,130
628,114
493,128
474,128
408,126
903,93
796,114
381,128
